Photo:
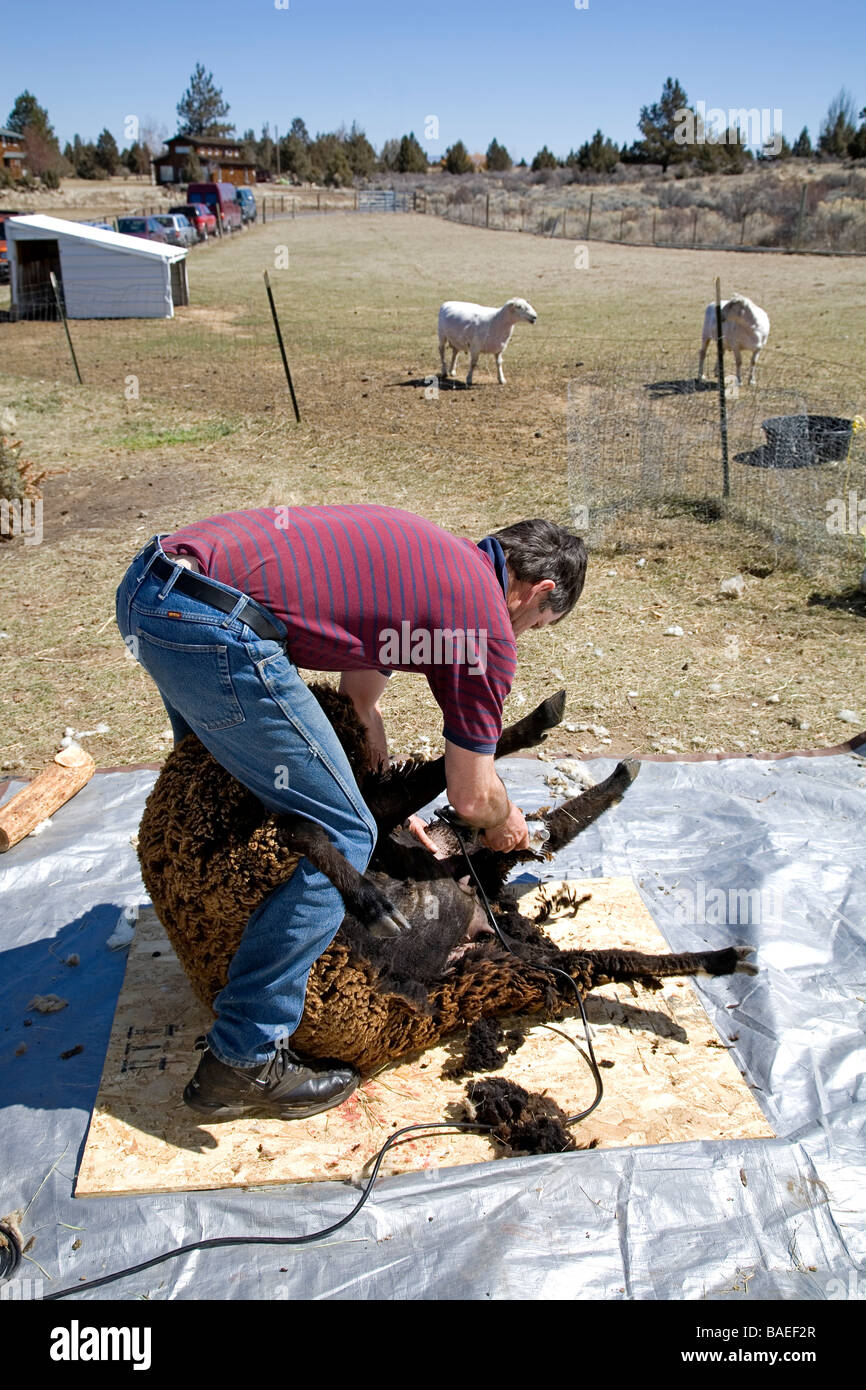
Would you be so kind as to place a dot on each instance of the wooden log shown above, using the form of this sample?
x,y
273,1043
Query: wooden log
x,y
71,770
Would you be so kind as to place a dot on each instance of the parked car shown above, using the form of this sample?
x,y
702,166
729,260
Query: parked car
x,y
247,200
222,200
4,259
147,227
180,231
199,217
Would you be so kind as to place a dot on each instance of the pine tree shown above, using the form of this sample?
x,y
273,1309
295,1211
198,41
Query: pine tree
x,y
598,154
202,107
27,112
497,157
359,152
658,125
545,160
107,155
457,159
410,157
838,129
802,147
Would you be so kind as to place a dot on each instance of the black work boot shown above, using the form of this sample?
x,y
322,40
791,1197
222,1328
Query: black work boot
x,y
284,1087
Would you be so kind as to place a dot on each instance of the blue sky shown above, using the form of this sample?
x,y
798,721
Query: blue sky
x,y
528,73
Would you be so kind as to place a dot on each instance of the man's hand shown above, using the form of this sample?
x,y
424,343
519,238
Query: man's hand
x,y
478,796
513,833
418,827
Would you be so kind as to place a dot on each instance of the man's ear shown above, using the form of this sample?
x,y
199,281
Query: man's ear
x,y
544,586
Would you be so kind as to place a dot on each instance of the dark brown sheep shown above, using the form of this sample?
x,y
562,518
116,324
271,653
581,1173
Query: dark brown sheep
x,y
210,852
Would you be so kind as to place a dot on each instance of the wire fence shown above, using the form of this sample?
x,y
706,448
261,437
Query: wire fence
x,y
644,440
798,226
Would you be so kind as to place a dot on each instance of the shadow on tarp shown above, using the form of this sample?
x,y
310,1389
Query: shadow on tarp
x,y
40,1078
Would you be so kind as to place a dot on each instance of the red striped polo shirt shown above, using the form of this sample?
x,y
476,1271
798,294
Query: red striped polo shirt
x,y
373,588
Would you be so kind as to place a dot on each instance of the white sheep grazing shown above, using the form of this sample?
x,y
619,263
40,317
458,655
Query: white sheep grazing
x,y
744,325
474,329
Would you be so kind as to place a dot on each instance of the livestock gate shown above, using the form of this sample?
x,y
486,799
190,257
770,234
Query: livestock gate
x,y
383,200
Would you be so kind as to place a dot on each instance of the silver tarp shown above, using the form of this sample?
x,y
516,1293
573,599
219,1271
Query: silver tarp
x,y
780,842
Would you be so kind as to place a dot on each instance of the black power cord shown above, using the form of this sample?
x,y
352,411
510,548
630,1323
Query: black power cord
x,y
219,1241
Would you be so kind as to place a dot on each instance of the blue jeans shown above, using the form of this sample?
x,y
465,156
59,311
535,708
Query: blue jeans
x,y
243,698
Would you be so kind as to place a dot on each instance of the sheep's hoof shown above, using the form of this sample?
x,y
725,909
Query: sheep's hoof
x,y
744,966
629,767
548,714
390,924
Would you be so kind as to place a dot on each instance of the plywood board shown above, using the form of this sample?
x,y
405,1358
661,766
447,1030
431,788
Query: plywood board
x,y
669,1077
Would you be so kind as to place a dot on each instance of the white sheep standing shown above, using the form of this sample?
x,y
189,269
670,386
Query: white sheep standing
x,y
475,329
744,326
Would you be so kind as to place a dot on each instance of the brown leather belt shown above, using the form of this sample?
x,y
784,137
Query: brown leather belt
x,y
205,592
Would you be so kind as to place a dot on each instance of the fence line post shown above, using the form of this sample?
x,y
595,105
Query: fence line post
x,y
487,212
282,349
589,216
621,216
61,309
743,229
264,210
319,201
800,216
654,229
695,229
723,401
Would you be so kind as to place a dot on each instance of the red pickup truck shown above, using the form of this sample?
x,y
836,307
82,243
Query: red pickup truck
x,y
200,217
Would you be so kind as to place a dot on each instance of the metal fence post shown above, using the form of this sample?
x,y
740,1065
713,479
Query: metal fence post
x,y
723,401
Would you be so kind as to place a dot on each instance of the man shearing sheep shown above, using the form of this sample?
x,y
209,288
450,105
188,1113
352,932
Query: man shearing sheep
x,y
222,612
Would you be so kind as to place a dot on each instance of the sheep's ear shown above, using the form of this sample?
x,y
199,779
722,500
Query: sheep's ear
x,y
465,884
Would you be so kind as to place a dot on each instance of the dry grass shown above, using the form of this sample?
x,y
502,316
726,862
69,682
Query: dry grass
x,y
212,429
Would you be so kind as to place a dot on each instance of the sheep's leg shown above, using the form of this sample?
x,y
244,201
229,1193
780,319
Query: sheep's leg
x,y
532,728
361,897
442,346
563,825
604,966
701,360
755,355
575,815
455,353
397,795
499,372
738,361
473,358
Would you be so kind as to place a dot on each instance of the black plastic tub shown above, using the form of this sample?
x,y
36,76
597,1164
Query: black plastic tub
x,y
830,436
805,441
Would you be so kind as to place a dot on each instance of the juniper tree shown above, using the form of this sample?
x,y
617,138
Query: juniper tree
x,y
202,107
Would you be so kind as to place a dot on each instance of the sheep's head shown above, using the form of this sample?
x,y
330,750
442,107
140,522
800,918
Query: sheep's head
x,y
522,309
738,306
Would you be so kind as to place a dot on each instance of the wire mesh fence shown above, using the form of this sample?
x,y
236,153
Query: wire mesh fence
x,y
793,223
644,440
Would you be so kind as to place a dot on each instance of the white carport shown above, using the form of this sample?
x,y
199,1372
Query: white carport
x,y
103,274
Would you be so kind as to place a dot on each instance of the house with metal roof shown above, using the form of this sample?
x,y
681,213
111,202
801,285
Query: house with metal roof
x,y
101,274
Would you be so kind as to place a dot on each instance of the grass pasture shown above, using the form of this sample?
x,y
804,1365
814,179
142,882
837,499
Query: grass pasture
x,y
183,418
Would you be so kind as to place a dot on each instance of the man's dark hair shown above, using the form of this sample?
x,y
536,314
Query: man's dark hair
x,y
540,549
